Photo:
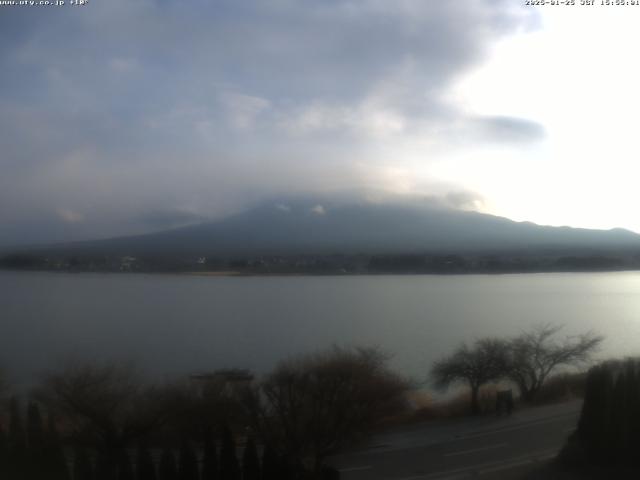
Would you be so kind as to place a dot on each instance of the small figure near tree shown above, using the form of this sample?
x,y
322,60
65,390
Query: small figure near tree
x,y
504,402
527,360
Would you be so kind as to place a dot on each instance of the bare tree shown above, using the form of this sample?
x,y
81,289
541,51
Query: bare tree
x,y
214,398
535,354
106,405
484,362
313,405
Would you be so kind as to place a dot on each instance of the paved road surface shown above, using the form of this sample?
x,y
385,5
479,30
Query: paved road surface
x,y
487,447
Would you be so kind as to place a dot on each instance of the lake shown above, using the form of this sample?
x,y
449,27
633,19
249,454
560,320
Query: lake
x,y
176,324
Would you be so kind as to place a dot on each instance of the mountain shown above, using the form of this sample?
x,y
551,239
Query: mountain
x,y
319,228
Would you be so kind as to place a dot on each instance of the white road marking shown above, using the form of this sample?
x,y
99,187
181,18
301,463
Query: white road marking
x,y
474,450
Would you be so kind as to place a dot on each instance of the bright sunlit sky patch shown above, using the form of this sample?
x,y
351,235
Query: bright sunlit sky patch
x,y
579,77
128,116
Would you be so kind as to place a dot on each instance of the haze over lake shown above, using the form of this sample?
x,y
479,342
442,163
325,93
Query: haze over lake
x,y
178,324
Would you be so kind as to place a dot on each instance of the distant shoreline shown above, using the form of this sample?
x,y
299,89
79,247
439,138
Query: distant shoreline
x,y
236,273
227,273
451,263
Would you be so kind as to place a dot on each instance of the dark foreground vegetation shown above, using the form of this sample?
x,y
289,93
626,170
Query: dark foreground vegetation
x,y
607,440
104,422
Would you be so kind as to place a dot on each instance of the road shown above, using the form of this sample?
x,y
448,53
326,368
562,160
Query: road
x,y
485,447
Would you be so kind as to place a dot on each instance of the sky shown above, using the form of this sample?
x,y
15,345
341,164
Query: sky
x,y
123,117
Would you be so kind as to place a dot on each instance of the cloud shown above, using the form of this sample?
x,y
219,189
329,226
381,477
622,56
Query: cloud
x,y
123,65
318,210
365,120
464,200
217,106
283,208
161,219
243,109
508,129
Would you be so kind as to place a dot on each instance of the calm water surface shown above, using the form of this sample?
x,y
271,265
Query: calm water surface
x,y
180,324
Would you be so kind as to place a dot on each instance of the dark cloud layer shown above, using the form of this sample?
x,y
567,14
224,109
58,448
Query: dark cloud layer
x,y
119,110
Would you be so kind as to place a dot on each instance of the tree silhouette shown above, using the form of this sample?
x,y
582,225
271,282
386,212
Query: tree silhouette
x,y
484,362
16,443
250,461
632,383
609,424
188,462
17,438
125,470
4,454
286,471
270,464
311,406
107,403
210,457
36,442
35,428
146,469
82,465
229,468
106,468
54,454
167,469
534,355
